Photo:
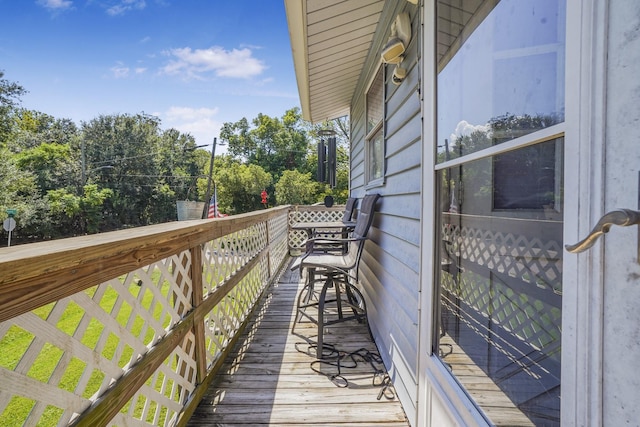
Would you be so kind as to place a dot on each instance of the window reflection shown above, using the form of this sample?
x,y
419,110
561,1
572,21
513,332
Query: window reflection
x,y
529,178
375,102
500,283
502,78
376,156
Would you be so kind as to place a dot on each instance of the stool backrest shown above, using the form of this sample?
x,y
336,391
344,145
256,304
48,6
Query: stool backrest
x,y
349,209
363,224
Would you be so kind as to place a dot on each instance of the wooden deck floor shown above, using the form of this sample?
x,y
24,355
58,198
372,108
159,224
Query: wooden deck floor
x,y
275,379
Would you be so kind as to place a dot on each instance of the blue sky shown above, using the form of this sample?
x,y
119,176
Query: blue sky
x,y
193,63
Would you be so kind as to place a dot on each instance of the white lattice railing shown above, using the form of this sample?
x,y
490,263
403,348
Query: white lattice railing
x,y
511,274
303,214
129,327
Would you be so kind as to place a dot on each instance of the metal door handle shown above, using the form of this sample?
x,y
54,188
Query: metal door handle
x,y
621,217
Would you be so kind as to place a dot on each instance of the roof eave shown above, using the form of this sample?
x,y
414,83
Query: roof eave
x,y
297,23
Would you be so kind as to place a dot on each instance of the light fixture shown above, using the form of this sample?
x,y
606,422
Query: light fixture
x,y
392,51
399,75
398,40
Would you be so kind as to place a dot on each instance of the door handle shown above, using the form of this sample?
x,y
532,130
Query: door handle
x,y
621,217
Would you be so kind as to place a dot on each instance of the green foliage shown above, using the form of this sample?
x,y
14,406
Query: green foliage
x,y
80,213
124,170
10,93
341,128
63,203
92,203
134,157
274,144
295,188
239,185
51,163
18,191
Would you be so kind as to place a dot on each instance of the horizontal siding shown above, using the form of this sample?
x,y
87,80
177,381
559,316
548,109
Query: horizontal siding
x,y
404,184
356,154
390,267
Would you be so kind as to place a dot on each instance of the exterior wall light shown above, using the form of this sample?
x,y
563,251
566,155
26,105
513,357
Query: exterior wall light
x,y
398,40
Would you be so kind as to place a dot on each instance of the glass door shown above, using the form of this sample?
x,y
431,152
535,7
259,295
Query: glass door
x,y
499,209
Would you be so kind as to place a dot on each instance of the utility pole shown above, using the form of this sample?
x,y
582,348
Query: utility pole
x,y
82,163
208,195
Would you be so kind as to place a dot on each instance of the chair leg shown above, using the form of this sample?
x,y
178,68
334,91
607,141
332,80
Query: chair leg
x,y
310,281
308,288
353,300
321,301
336,286
353,297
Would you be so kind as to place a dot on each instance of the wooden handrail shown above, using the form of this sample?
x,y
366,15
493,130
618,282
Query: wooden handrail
x,y
37,274
188,257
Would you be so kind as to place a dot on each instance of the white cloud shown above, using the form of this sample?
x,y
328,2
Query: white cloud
x,y
199,122
120,71
192,63
56,5
465,128
124,6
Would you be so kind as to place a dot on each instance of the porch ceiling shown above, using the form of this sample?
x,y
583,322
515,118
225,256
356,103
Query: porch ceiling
x,y
330,41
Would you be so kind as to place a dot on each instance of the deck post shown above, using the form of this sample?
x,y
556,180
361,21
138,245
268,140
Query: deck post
x,y
198,323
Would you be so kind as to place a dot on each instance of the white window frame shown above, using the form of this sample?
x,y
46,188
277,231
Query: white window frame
x,y
377,131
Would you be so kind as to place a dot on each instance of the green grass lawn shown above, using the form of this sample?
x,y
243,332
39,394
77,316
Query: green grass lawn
x,y
17,340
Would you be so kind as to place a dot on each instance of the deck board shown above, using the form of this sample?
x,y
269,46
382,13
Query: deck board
x,y
271,378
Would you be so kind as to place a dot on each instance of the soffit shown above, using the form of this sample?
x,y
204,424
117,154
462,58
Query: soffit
x,y
457,19
330,41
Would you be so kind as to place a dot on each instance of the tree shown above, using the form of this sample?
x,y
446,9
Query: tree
x,y
50,163
239,185
83,214
92,205
18,190
32,128
147,168
180,164
273,144
10,93
295,188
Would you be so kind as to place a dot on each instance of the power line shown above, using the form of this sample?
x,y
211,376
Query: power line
x,y
166,176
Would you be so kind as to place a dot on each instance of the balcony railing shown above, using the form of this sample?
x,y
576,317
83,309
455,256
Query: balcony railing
x,y
130,327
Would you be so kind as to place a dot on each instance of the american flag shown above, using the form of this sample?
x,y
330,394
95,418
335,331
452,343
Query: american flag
x,y
213,206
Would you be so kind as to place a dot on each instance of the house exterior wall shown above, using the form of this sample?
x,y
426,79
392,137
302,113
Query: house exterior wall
x,y
391,262
599,386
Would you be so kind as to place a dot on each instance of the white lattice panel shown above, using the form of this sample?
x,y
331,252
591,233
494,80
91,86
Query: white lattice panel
x,y
528,258
227,255
222,258
298,237
223,322
278,236
57,359
535,263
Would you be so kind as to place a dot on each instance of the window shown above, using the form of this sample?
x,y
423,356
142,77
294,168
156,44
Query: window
x,y
375,152
499,221
528,178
